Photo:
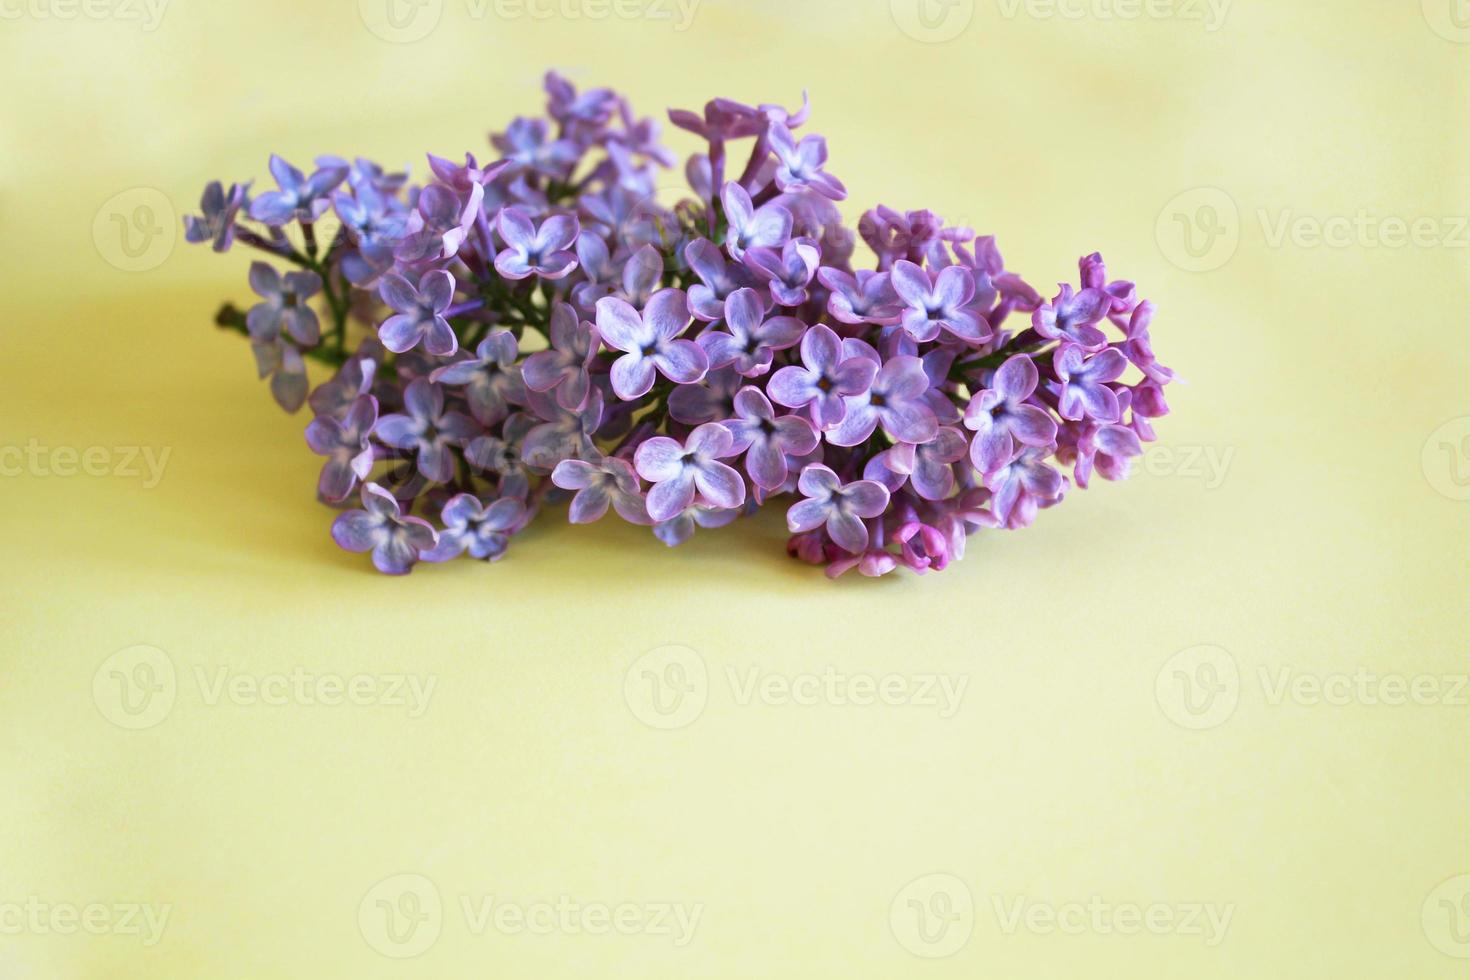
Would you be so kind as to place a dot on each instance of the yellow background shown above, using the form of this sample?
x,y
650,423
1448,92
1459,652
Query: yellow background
x,y
1333,541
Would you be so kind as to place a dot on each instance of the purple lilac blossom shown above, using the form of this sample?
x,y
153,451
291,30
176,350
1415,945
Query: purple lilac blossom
x,y
650,343
678,470
507,336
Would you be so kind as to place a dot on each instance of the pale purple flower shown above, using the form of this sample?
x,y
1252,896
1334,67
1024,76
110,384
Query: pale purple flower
x,y
1022,485
527,143
599,272
928,467
536,251
419,315
1074,317
354,379
491,381
1002,417
608,481
895,401
564,366
346,446
428,430
837,507
863,297
680,528
1108,448
642,273
439,225
482,530
373,219
561,434
938,302
650,343
299,197
678,471
397,541
718,279
1139,347
825,380
1085,391
216,224
768,226
800,164
788,272
750,340
767,440
281,361
283,304
707,400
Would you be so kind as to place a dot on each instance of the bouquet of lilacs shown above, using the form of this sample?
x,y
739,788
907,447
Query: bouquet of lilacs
x,y
544,327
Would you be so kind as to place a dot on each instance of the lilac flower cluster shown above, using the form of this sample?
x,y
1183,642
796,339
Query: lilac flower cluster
x,y
542,328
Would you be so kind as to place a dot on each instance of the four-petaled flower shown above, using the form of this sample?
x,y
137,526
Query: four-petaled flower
x,y
752,227
419,315
345,444
426,428
1074,317
608,481
864,297
650,343
482,530
938,302
787,272
396,540
800,164
563,367
825,381
284,304
491,380
840,508
1001,416
767,440
677,471
929,467
1023,484
216,224
1085,391
718,279
300,197
895,400
536,251
751,340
